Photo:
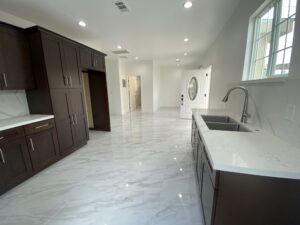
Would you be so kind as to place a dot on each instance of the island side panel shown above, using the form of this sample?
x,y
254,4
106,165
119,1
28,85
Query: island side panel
x,y
249,199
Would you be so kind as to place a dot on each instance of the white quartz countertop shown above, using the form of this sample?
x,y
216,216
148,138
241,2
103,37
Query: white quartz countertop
x,y
22,120
257,152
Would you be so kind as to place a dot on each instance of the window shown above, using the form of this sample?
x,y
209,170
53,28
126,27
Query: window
x,y
272,40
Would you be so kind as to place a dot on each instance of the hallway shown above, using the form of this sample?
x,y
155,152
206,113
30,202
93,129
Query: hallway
x,y
139,174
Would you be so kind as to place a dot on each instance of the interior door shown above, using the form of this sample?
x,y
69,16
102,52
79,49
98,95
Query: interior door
x,y
64,122
78,112
194,92
71,64
53,59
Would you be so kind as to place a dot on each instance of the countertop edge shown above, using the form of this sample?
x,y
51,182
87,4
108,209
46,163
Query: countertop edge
x,y
26,122
237,169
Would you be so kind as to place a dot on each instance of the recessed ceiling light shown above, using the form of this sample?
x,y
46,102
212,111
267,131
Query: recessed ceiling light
x,y
82,23
119,47
177,60
185,54
186,40
188,4
136,58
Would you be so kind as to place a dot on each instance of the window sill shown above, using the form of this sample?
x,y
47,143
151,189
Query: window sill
x,y
272,80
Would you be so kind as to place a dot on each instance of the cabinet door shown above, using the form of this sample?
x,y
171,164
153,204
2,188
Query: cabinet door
x,y
17,161
53,59
2,173
15,67
43,149
77,100
99,61
64,124
207,196
71,64
86,57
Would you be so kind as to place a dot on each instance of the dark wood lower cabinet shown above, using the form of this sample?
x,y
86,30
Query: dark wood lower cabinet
x,y
207,196
43,149
242,199
25,151
15,159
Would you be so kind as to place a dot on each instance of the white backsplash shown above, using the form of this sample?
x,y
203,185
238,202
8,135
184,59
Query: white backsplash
x,y
13,104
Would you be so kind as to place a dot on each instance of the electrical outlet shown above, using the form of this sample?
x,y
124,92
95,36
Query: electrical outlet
x,y
290,112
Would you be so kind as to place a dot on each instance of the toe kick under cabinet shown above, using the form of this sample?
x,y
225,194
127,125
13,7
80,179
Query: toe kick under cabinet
x,y
229,198
26,150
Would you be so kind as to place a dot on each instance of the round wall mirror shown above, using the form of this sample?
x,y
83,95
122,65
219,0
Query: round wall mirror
x,y
193,88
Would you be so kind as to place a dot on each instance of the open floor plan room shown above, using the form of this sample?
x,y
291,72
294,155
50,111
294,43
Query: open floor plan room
x,y
173,112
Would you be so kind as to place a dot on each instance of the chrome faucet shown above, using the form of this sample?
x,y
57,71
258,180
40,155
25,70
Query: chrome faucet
x,y
245,114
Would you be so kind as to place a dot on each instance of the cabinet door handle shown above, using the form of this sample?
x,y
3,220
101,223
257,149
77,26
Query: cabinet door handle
x,y
1,138
4,79
2,156
45,125
70,81
66,81
31,143
75,117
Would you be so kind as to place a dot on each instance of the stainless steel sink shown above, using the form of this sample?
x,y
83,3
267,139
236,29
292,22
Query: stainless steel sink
x,y
223,123
218,119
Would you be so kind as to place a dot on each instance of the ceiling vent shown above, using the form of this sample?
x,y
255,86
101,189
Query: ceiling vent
x,y
118,52
121,6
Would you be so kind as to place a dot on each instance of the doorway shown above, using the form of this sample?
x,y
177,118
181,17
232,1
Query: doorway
x,y
195,91
96,100
134,89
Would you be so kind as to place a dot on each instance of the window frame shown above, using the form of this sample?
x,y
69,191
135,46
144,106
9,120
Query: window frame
x,y
252,46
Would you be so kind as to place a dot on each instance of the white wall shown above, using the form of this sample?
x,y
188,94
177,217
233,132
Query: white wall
x,y
170,86
156,85
145,70
268,102
114,86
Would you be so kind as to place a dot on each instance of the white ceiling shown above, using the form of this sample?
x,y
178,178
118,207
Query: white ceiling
x,y
152,29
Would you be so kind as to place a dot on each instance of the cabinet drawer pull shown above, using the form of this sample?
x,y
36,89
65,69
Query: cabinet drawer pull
x,y
2,156
4,79
45,125
31,143
70,81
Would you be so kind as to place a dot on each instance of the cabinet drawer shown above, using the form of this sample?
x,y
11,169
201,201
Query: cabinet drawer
x,y
11,133
39,126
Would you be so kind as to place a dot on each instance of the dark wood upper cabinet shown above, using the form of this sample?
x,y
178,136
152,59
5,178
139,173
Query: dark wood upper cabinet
x,y
86,57
43,148
71,63
16,161
91,59
99,61
52,52
15,60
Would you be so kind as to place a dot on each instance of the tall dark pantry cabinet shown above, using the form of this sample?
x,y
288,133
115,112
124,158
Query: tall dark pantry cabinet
x,y
57,69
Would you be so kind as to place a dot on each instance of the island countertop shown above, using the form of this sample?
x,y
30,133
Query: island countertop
x,y
257,152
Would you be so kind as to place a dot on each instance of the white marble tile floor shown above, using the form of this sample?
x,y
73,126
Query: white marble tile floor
x,y
139,174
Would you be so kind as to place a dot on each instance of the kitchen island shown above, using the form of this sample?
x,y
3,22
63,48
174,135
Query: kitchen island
x,y
245,178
